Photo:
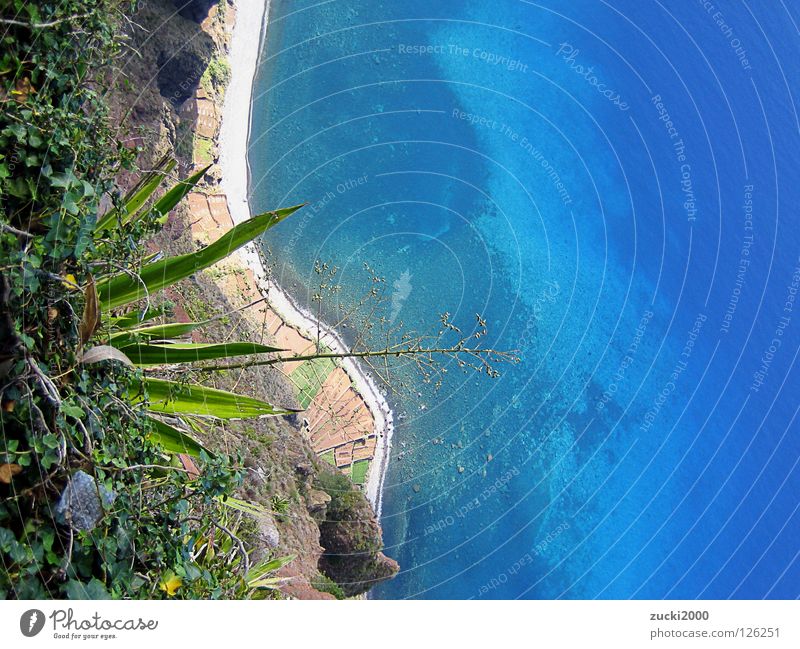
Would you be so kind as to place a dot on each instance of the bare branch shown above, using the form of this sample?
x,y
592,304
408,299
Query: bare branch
x,y
397,351
44,25
13,230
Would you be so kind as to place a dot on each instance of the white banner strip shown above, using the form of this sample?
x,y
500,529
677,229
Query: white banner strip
x,y
408,624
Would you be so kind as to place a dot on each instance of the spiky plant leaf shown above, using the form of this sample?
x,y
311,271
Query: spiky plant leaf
x,y
137,318
244,506
174,196
167,331
138,196
171,397
122,289
257,577
174,440
167,353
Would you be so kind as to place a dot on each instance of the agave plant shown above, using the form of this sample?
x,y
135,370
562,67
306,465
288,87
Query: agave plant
x,y
217,540
112,306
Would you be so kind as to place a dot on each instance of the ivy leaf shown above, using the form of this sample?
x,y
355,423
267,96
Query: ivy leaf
x,y
70,204
64,180
22,89
85,237
18,187
70,282
93,590
72,411
17,130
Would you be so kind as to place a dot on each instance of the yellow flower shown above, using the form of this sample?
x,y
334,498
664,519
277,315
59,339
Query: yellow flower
x,y
70,282
171,583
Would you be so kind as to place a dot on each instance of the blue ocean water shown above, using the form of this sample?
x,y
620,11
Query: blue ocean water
x,y
614,186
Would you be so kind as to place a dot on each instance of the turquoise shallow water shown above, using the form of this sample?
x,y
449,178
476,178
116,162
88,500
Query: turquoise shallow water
x,y
610,185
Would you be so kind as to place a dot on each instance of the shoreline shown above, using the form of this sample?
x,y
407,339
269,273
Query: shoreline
x,y
252,23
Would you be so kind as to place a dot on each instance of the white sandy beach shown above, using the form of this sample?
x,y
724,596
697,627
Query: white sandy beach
x,y
250,29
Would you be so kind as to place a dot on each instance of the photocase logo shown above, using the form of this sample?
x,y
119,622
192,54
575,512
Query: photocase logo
x,y
31,622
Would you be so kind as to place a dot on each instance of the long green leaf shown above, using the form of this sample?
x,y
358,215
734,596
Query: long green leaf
x,y
122,289
267,583
138,195
174,196
136,318
244,506
168,353
262,569
177,398
154,332
174,440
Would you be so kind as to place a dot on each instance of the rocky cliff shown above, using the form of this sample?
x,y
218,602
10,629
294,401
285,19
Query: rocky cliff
x,y
315,513
351,538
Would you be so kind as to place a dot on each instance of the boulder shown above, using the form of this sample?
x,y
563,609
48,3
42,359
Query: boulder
x,y
268,532
83,502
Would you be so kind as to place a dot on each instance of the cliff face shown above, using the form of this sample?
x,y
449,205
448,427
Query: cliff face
x,y
315,513
351,537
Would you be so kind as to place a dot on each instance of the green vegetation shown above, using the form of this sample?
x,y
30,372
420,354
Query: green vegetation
x,y
280,505
94,501
359,471
325,584
309,377
344,502
216,76
329,457
202,150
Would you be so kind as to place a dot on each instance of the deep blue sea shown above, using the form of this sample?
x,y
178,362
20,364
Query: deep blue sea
x,y
614,186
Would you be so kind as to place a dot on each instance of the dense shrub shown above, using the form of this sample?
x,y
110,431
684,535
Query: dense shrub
x,y
66,422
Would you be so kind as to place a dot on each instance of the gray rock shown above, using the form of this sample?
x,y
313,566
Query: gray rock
x,y
268,531
82,502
